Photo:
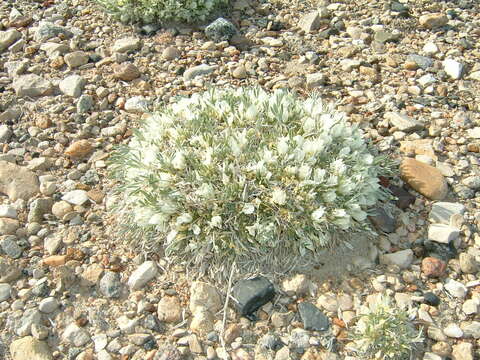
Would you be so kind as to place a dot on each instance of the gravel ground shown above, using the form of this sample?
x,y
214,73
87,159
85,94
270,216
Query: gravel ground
x,y
74,83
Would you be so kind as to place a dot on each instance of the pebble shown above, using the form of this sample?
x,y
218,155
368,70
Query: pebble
x,y
468,264
126,71
432,21
142,275
136,105
433,267
76,197
462,351
8,211
443,233
72,85
8,226
442,212
171,53
204,296
470,307
202,322
455,288
79,149
402,258
76,59
315,80
220,30
76,335
251,294
110,285
198,70
312,317
8,37
169,309
239,72
310,22
48,305
424,178
5,292
32,85
297,285
453,331
127,44
453,68
29,348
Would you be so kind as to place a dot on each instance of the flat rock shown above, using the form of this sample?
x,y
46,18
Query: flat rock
x,y
29,348
198,70
442,212
203,295
312,317
424,178
47,30
72,85
310,22
127,44
251,294
18,182
142,275
10,247
382,221
443,233
79,149
169,309
136,105
126,71
455,288
8,37
402,258
453,68
32,85
403,122
76,335
423,62
76,59
8,226
315,80
432,21
76,197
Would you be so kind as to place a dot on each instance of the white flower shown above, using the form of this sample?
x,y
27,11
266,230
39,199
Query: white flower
x,y
207,160
319,175
216,221
279,196
309,124
356,212
248,209
251,113
178,161
282,146
304,172
196,229
171,236
157,219
329,196
318,214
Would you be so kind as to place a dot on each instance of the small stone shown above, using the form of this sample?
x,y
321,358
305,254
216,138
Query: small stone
x,y
32,85
431,299
424,178
170,309
442,212
171,53
350,64
8,37
310,22
468,264
126,72
404,198
270,342
470,307
432,21
136,105
202,322
38,208
453,68
220,30
39,332
385,36
462,351
5,292
140,277
8,226
52,244
203,295
240,72
455,288
72,85
47,30
403,122
382,221
433,267
79,149
55,260
251,294
48,305
24,325
298,285
421,61
76,197
5,133
110,285
76,335
430,48
126,45
472,182
10,247
299,340
312,317
84,104
471,329
232,332
315,80
402,258
453,331
29,348
76,59
61,208
442,233
198,70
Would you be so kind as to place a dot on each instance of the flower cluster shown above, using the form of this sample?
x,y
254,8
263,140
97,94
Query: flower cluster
x,y
231,173
154,11
385,332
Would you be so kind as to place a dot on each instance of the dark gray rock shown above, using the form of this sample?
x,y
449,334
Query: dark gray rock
x,y
312,317
431,299
220,30
84,104
441,251
251,294
382,221
10,247
404,198
422,61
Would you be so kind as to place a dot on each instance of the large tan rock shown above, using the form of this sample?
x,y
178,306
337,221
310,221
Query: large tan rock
x,y
18,182
204,296
424,178
29,348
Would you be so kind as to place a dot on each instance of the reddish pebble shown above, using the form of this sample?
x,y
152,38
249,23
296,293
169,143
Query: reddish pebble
x,y
433,267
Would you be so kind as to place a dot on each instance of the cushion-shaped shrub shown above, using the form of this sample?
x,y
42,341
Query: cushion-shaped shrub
x,y
158,11
247,175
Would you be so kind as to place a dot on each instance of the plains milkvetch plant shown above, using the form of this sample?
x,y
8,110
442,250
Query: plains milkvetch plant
x,y
247,175
155,11
385,331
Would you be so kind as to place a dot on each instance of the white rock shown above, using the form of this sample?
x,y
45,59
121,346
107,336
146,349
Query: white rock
x,y
453,331
32,85
204,296
455,288
470,307
430,49
48,305
5,292
403,122
402,258
315,80
198,70
76,197
474,133
100,341
310,22
442,233
145,272
126,44
442,212
426,80
474,75
72,85
136,104
350,64
8,211
76,335
298,284
8,37
453,68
